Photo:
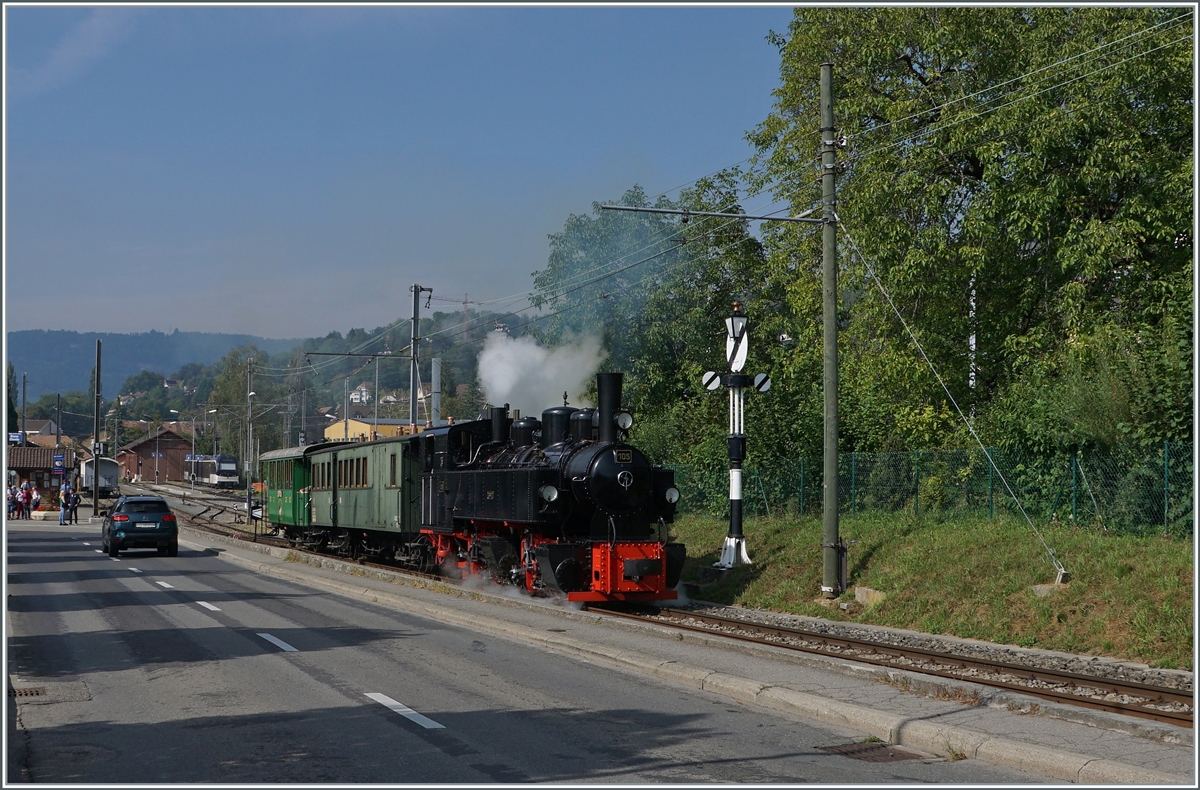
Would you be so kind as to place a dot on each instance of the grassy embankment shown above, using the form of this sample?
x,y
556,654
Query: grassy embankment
x,y
1129,597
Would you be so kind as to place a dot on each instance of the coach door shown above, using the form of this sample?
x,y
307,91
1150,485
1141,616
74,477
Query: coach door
x,y
335,493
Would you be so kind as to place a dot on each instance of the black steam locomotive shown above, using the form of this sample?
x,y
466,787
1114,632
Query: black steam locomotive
x,y
562,504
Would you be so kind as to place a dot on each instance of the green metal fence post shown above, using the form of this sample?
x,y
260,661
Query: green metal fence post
x,y
1166,487
916,484
801,486
1074,489
853,482
991,474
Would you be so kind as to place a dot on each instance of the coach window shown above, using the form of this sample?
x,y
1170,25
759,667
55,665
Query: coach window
x,y
364,476
392,473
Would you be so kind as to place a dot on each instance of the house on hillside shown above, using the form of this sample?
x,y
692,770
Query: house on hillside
x,y
43,427
361,393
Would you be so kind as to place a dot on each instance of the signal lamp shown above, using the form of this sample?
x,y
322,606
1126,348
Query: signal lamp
x,y
672,495
549,493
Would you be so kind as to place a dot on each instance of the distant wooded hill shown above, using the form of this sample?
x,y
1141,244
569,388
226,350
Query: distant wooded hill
x,y
60,361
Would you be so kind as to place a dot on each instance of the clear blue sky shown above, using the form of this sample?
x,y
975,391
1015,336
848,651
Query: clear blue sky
x,y
288,172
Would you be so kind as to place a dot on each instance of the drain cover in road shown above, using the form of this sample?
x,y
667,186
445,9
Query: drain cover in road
x,y
871,752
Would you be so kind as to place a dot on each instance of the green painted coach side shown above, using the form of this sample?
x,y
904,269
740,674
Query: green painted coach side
x,y
369,485
286,476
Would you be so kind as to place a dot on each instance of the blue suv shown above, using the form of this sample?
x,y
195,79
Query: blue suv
x,y
140,522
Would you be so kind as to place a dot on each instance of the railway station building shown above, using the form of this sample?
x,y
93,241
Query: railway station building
x,y
36,466
161,454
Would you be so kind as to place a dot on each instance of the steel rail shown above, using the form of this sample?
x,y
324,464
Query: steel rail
x,y
1153,694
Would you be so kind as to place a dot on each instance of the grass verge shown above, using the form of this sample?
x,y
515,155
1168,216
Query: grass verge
x,y
1129,597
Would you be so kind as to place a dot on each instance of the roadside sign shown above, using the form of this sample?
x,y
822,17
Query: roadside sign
x,y
711,380
762,382
15,438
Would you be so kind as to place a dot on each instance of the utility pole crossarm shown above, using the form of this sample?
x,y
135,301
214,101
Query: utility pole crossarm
x,y
802,217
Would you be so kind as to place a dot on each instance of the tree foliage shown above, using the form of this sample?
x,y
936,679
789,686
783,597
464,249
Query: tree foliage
x,y
1017,175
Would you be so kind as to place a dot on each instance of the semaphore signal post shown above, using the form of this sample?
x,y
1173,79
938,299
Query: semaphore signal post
x,y
737,344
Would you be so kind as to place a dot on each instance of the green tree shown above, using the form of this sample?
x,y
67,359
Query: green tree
x,y
1021,176
600,269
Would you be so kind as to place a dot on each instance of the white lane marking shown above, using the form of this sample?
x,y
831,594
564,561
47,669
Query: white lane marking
x,y
98,551
135,570
279,643
164,584
405,711
84,543
207,605
114,559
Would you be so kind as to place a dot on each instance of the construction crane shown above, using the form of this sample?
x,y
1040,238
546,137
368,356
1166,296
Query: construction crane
x,y
465,302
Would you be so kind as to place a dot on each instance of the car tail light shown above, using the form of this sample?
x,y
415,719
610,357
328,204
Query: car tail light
x,y
169,517
120,517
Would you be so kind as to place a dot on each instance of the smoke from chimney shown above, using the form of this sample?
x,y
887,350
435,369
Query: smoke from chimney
x,y
531,378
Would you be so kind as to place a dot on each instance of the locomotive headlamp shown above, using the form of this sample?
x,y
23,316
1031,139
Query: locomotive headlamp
x,y
624,420
549,493
672,495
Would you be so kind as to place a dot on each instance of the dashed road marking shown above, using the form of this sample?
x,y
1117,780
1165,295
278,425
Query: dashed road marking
x,y
84,543
207,605
405,711
98,551
279,643
164,584
135,570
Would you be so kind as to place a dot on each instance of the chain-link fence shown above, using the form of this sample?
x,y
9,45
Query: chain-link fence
x,y
1126,491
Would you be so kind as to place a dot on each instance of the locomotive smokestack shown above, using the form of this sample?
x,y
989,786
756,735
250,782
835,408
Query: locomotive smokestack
x,y
500,424
608,391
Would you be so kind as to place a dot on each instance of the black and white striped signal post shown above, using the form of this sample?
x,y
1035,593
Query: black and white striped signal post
x,y
733,552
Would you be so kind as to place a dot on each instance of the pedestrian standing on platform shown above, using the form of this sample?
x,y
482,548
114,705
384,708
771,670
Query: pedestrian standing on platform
x,y
64,504
75,500
36,498
25,497
11,496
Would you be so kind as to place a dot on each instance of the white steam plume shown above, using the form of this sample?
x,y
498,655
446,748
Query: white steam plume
x,y
531,378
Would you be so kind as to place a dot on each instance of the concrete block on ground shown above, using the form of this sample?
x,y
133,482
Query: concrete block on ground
x,y
868,597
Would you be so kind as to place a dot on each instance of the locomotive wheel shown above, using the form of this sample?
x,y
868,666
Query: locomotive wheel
x,y
503,572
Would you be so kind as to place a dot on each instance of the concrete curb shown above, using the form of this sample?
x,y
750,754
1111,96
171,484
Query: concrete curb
x,y
949,742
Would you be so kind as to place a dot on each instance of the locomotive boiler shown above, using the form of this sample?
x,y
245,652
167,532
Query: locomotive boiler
x,y
561,505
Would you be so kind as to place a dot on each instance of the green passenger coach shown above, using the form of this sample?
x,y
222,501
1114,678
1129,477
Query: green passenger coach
x,y
343,495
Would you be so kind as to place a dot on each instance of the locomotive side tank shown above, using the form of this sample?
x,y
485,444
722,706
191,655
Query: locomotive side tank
x,y
562,504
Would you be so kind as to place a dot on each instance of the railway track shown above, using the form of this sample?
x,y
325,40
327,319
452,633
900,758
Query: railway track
x,y
1158,703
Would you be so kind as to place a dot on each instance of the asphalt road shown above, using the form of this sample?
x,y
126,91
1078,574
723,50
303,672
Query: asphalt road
x,y
192,669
